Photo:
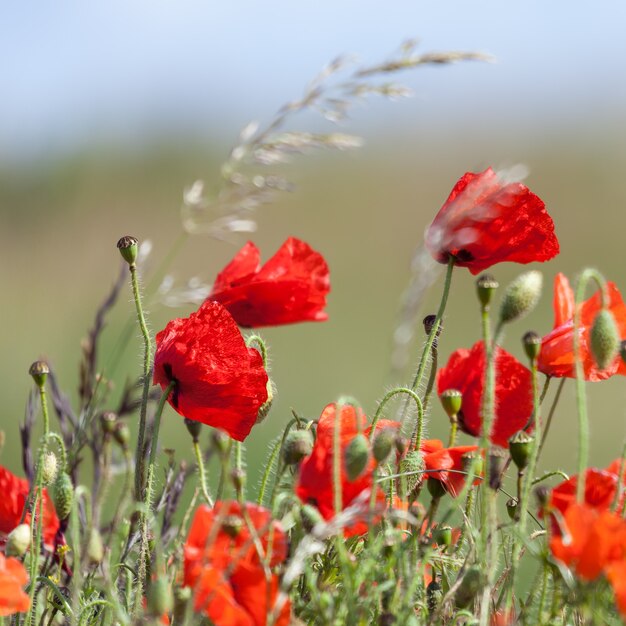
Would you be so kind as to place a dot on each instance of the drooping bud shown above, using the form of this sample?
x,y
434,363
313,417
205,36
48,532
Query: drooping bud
x,y
521,296
121,434
95,549
128,248
18,541
63,495
429,322
512,508
267,405
443,536
542,493
160,598
49,468
194,428
469,588
435,487
412,465
532,345
604,339
496,463
221,441
451,401
384,441
108,420
401,443
486,286
520,447
39,370
356,456
298,444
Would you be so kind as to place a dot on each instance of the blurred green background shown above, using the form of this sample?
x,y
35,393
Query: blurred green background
x,y
65,202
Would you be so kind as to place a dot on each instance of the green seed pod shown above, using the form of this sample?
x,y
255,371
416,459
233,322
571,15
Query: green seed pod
x,y
95,549
472,457
443,536
298,444
512,508
435,487
520,447
604,339
265,408
521,296
49,468
63,495
532,345
128,248
470,587
160,598
194,428
18,541
486,286
39,370
451,401
383,442
356,456
412,462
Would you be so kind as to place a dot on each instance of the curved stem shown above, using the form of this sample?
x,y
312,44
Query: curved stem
x,y
202,472
418,405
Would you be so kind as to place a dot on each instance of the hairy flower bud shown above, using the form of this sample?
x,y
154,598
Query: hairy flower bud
x,y
532,345
413,465
63,495
435,487
357,455
49,468
520,447
39,370
194,428
265,408
18,541
429,322
128,248
486,286
451,401
521,296
298,445
221,441
434,595
604,339
383,442
496,463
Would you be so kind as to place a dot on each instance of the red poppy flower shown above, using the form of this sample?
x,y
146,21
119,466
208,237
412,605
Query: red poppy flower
x,y
14,492
219,380
616,573
446,466
557,348
315,482
225,570
13,578
465,371
290,287
487,220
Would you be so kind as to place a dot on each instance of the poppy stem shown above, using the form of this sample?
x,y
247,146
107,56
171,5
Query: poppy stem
x,y
417,433
202,472
557,396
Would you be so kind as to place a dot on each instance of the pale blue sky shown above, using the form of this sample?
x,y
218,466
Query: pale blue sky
x,y
79,71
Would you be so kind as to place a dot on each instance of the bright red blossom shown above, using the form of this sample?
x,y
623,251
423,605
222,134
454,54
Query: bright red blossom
x,y
487,220
291,287
557,347
13,578
225,570
14,492
219,380
446,466
465,371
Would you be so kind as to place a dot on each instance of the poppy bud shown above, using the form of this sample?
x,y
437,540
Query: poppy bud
x,y
121,434
520,447
435,487
128,249
472,458
521,296
511,508
160,599
238,476
18,541
429,322
357,455
107,421
383,442
95,549
532,345
221,441
39,370
413,465
486,286
265,408
401,443
604,339
496,462
298,444
49,468
443,536
63,495
310,517
469,588
451,400
434,595
194,428
542,493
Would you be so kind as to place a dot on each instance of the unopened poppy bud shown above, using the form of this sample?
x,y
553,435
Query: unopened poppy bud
x,y
402,443
39,370
221,441
95,549
451,401
49,468
434,595
511,508
520,447
238,476
521,296
486,286
412,465
160,598
232,525
383,442
532,345
108,420
128,248
604,339
496,463
298,444
310,517
194,428
121,434
472,458
542,493
18,541
267,405
356,456
469,588
63,495
435,487
443,536
429,322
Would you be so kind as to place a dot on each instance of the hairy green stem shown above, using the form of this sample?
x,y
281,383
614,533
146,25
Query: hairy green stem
x,y
202,472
